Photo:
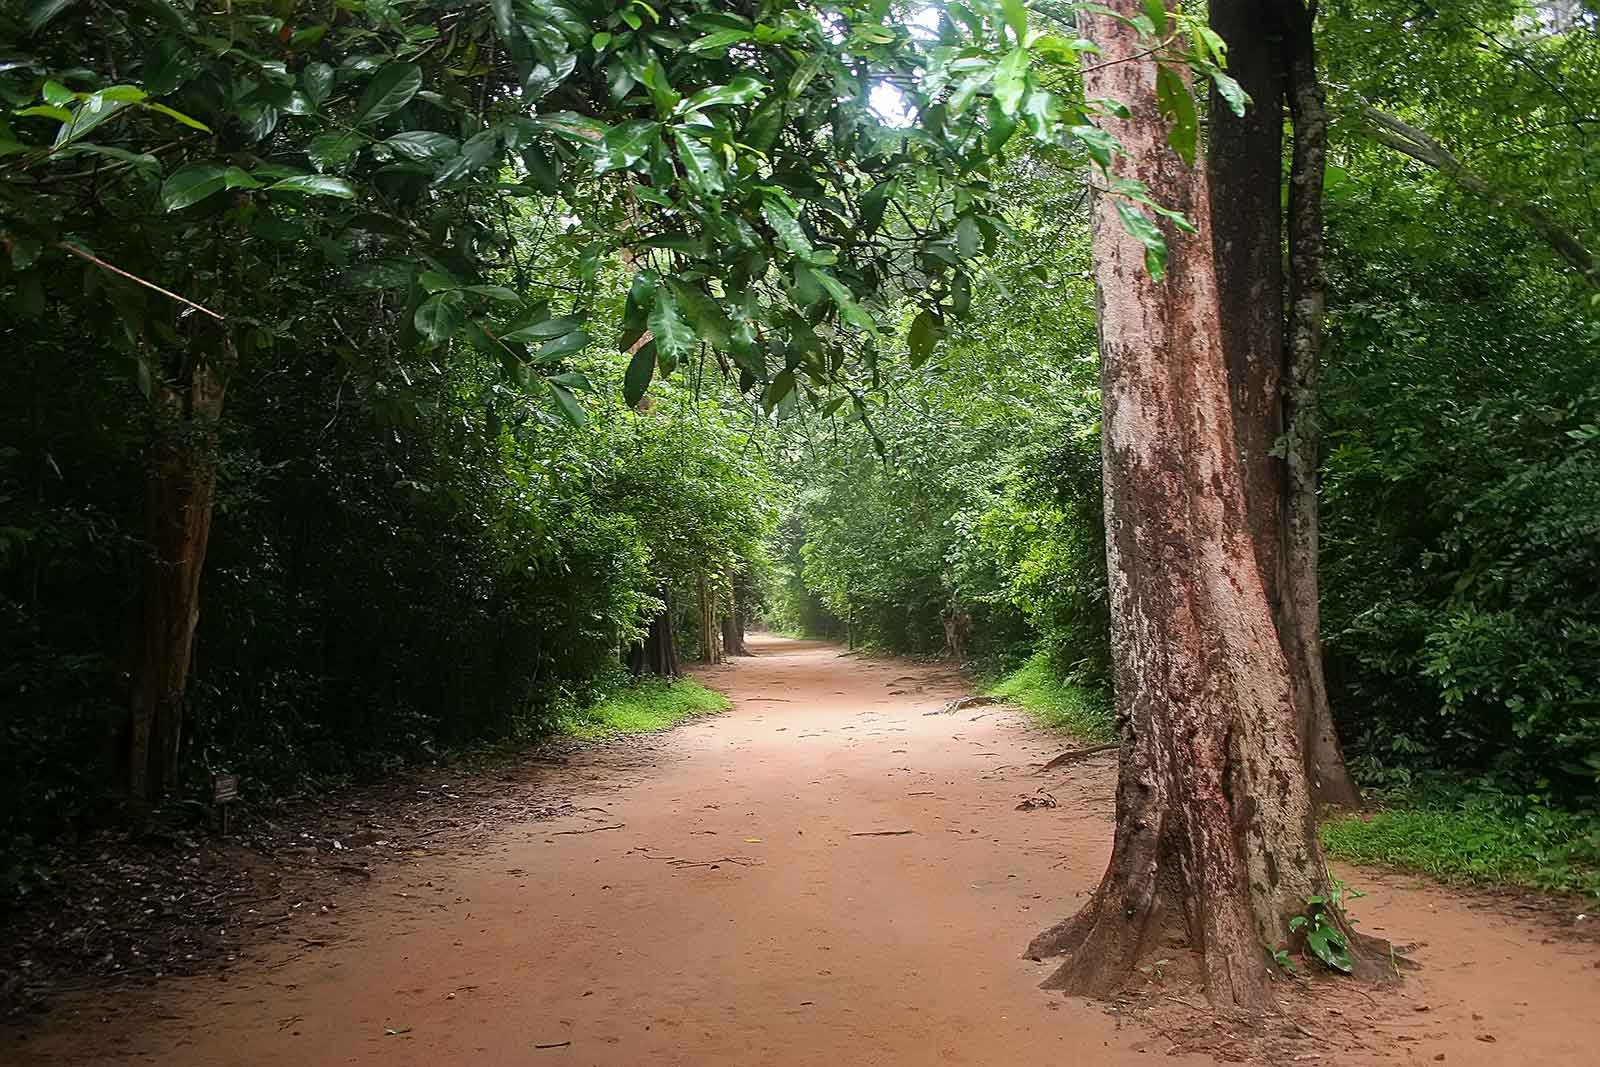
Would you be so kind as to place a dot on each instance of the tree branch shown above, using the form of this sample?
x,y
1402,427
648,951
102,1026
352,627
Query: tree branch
x,y
1408,140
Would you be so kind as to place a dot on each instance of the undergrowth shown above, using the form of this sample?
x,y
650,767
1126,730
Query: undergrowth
x,y
643,706
1055,702
1474,842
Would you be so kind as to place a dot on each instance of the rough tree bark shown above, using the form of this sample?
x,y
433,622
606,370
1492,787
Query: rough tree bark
x,y
180,489
1273,385
1215,832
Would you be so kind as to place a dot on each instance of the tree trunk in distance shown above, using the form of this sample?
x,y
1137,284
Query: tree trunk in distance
x,y
710,634
657,652
1244,164
1300,622
733,624
180,490
1215,840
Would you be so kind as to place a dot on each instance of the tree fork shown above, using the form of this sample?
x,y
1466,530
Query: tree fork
x,y
1215,831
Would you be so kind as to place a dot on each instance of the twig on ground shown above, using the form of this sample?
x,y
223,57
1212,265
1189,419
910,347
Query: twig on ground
x,y
1076,754
590,830
963,702
882,833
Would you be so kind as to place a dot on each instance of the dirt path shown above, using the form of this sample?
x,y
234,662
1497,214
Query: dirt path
x,y
723,905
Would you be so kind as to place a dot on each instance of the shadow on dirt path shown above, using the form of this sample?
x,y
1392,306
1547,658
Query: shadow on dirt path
x,y
828,874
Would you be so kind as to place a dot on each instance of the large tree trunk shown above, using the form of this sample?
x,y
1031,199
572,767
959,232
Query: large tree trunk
x,y
180,489
1272,389
657,652
1300,618
1215,832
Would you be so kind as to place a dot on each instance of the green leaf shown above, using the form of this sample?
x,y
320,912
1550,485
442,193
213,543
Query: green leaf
x,y
1231,91
720,41
1040,112
791,235
699,161
1329,945
440,316
705,314
178,116
390,90
46,111
333,149
423,146
738,91
969,241
1177,105
191,184
42,11
1156,12
575,380
920,341
845,300
56,93
317,80
564,345
641,367
315,185
782,385
1001,126
542,331
1011,80
626,144
567,404
1016,16
496,292
97,108
761,132
1146,232
674,338
1100,145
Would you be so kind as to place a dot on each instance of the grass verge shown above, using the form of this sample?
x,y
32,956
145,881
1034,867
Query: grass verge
x,y
1474,844
1055,702
641,707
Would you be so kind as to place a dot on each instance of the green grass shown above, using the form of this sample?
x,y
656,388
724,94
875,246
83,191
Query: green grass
x,y
1475,844
1055,702
642,707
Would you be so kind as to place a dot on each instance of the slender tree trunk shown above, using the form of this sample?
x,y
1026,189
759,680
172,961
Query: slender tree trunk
x,y
1273,388
1215,833
180,489
710,635
1301,616
733,624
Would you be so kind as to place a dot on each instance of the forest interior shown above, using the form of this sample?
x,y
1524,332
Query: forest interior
x,y
773,532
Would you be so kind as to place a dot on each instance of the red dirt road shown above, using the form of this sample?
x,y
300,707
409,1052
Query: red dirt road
x,y
715,905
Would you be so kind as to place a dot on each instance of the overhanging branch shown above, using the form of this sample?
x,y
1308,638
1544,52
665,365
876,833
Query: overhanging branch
x,y
1410,141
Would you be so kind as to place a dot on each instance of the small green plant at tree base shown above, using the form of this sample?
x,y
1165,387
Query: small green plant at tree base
x,y
1324,936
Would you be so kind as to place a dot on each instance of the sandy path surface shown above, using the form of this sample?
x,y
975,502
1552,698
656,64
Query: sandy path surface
x,y
720,903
